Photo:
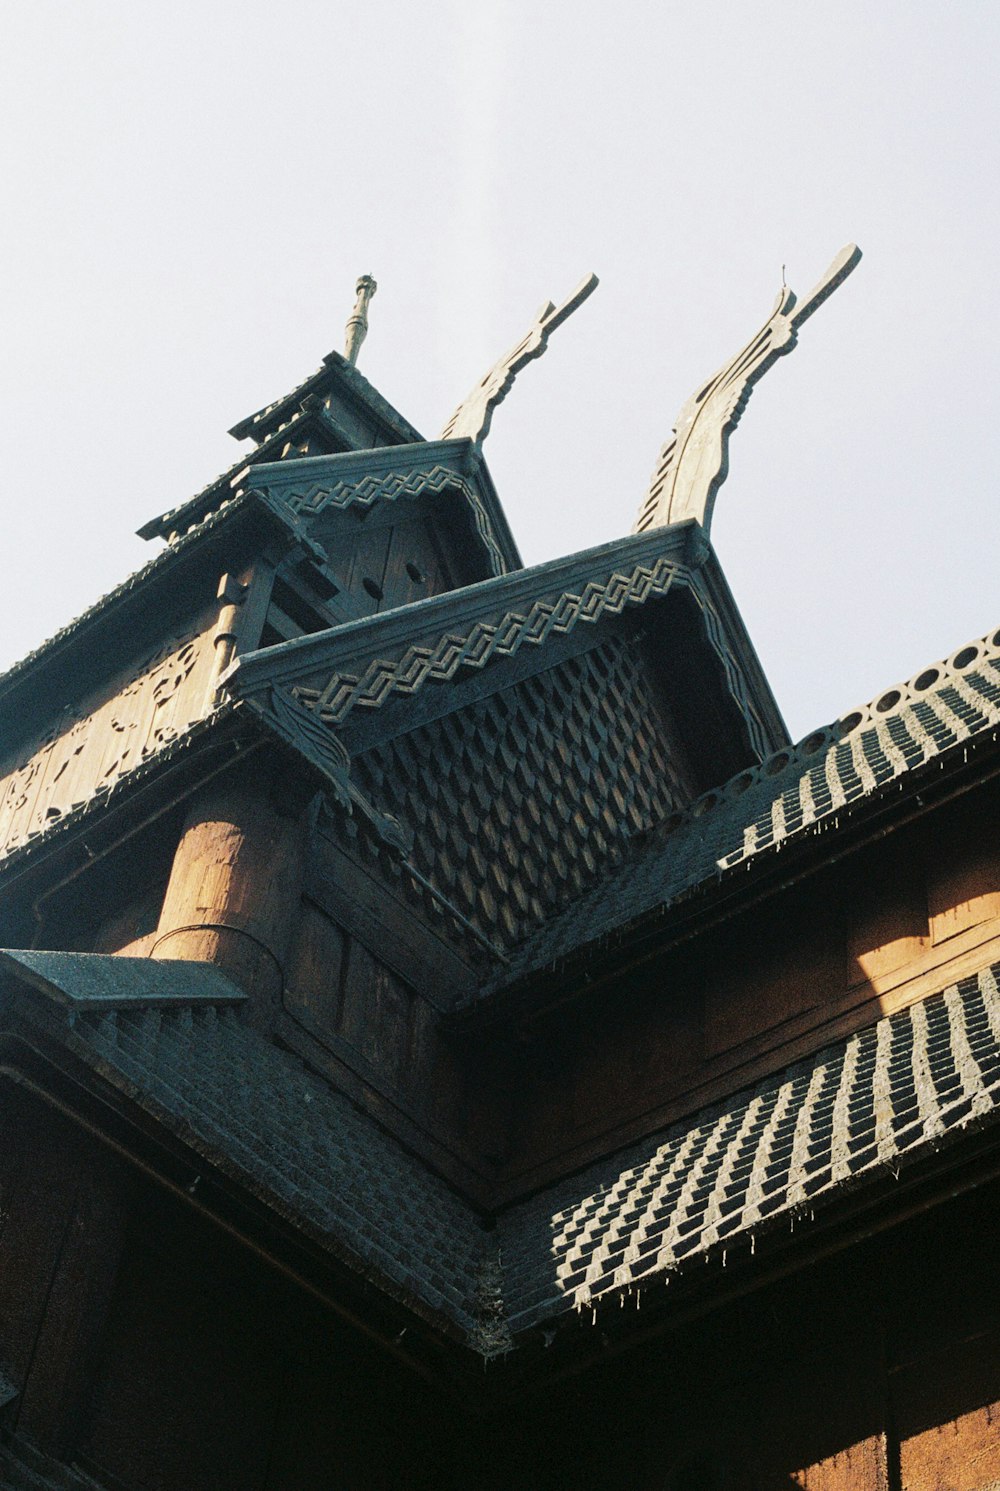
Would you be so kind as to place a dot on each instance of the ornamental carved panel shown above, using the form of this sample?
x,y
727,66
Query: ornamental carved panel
x,y
99,740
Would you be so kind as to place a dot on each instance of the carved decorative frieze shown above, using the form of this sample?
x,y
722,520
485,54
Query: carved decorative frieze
x,y
487,640
99,741
391,486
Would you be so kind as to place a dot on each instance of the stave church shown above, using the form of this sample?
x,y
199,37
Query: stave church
x,y
452,1037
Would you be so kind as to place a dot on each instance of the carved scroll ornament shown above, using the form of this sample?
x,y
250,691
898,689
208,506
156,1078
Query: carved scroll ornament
x,y
307,735
695,460
303,730
95,744
473,417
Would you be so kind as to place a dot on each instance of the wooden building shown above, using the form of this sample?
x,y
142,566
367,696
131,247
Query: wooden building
x,y
452,1037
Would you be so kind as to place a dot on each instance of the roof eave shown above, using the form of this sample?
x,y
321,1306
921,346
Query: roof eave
x,y
399,626
35,1057
217,527
462,457
742,1265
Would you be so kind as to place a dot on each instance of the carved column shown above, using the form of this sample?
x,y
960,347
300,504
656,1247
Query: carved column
x,y
236,884
231,595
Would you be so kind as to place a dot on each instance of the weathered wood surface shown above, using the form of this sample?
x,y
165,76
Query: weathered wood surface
x,y
235,886
63,1200
473,417
948,1412
380,915
369,569
357,325
99,739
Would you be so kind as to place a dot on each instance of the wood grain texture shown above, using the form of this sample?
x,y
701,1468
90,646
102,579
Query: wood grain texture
x,y
101,738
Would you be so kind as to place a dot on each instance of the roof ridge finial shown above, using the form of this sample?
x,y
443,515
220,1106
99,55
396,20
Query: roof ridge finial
x,y
694,462
472,419
357,326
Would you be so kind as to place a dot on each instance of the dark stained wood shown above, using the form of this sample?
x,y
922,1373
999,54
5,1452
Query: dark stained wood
x,y
764,989
56,1392
361,901
888,927
37,1208
185,1395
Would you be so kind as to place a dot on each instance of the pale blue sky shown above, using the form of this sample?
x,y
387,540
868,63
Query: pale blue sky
x,y
191,189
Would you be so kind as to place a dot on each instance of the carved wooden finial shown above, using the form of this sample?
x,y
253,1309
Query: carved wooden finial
x,y
474,415
357,326
695,460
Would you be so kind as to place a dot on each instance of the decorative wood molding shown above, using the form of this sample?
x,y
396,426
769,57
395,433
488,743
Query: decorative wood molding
x,y
389,487
486,641
299,728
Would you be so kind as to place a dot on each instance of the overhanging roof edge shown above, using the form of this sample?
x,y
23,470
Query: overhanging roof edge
x,y
469,604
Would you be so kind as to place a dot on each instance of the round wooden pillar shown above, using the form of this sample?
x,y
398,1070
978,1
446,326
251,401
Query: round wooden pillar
x,y
236,884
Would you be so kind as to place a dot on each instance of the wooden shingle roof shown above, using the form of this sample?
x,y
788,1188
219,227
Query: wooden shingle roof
x,y
886,747
775,1155
851,1119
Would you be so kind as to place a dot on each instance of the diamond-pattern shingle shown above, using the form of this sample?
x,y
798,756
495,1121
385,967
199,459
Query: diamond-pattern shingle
x,y
796,791
499,824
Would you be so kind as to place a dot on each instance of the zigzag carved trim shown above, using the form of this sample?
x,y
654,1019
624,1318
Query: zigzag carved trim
x,y
392,486
485,641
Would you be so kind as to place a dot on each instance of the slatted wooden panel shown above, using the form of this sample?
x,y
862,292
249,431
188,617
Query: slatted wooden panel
x,y
384,565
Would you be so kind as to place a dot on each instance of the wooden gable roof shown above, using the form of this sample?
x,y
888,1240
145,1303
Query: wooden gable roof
x,y
511,739
334,409
346,674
